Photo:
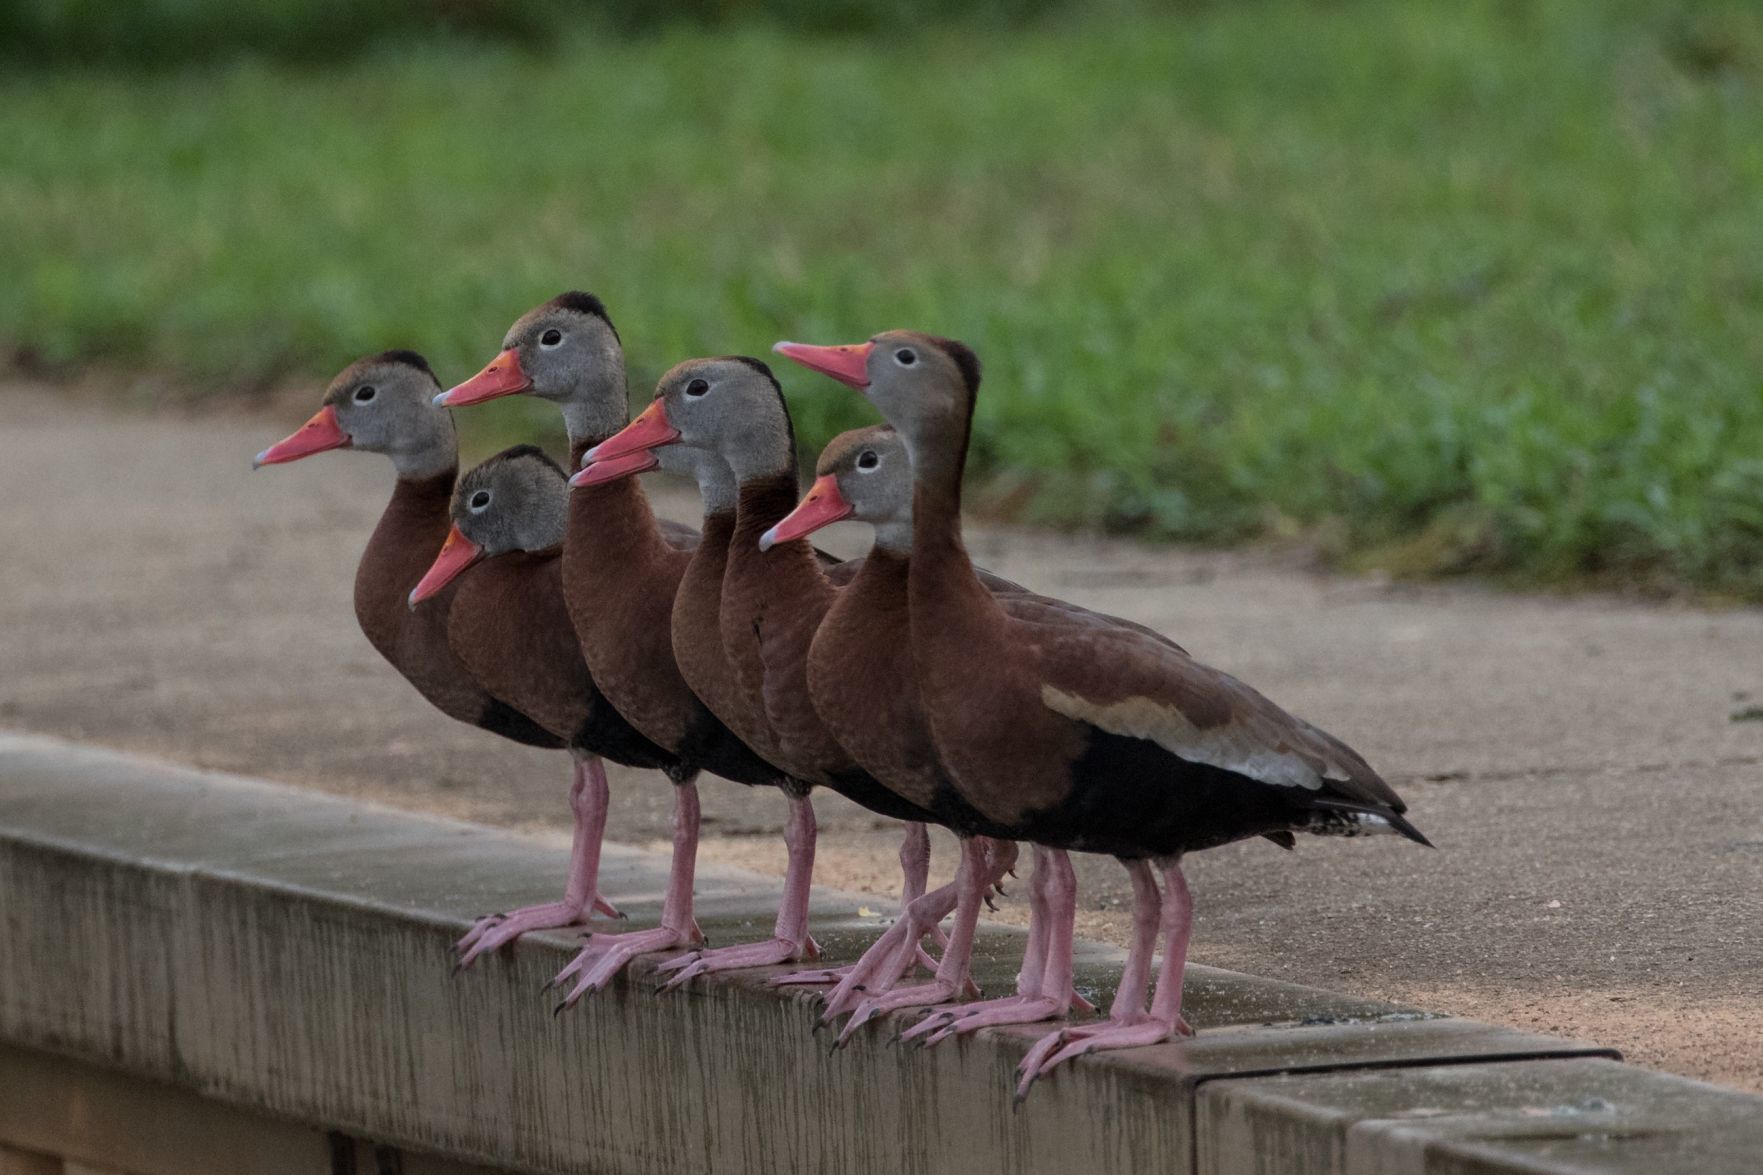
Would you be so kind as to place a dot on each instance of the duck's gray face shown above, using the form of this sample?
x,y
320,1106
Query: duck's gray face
x,y
873,473
515,501
731,407
916,381
381,404
553,351
865,475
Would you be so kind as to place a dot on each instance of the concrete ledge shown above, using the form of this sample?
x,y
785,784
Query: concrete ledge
x,y
1570,1115
287,953
70,1113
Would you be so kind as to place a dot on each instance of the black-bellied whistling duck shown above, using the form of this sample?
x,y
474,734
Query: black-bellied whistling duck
x,y
621,572
508,623
1093,738
382,404
866,475
766,606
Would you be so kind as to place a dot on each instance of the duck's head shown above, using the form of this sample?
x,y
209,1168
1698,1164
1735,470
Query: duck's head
x,y
563,350
864,475
381,404
514,501
923,385
730,406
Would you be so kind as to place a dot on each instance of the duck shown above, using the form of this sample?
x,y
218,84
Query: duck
x,y
622,572
509,624
866,475
382,403
1084,737
743,617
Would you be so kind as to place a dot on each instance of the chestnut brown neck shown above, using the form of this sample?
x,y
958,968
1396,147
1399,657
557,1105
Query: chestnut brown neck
x,y
943,582
410,532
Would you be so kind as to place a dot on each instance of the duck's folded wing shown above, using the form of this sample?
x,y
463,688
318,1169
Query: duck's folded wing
x,y
1128,684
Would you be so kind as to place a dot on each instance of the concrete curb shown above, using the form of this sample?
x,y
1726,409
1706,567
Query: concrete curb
x,y
287,953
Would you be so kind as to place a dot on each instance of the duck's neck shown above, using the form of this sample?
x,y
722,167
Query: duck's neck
x,y
432,454
717,488
597,406
943,578
787,570
402,546
763,502
610,523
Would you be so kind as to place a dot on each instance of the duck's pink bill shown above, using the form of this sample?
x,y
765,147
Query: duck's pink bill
x,y
823,506
849,364
649,429
457,553
320,433
613,468
503,376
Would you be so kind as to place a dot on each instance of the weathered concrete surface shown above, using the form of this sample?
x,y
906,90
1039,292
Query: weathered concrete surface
x,y
1596,807
57,1109
1569,1115
287,952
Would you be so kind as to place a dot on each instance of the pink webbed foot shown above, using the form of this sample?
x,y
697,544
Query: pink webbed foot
x,y
1129,1026
769,953
879,969
914,868
1056,1048
937,992
605,955
498,930
589,798
824,976
790,941
959,1019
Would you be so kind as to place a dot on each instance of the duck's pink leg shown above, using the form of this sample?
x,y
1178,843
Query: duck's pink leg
x,y
1044,985
606,955
915,875
589,798
953,973
889,959
790,940
1128,1025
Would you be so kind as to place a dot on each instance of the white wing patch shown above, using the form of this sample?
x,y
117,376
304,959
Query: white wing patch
x,y
1230,747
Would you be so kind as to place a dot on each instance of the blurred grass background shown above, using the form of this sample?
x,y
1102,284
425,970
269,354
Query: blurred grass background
x,y
1438,285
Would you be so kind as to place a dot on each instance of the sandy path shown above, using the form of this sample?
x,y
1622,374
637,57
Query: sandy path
x,y
1597,807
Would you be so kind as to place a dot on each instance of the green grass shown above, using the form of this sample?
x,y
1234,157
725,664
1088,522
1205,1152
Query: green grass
x,y
1456,286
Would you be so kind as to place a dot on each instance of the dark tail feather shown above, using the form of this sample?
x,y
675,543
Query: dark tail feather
x,y
1394,818
1406,827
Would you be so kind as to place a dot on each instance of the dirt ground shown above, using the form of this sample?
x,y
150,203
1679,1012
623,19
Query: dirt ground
x,y
1585,766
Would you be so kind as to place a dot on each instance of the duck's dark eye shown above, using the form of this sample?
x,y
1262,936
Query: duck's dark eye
x,y
480,500
867,459
697,387
551,338
365,392
905,356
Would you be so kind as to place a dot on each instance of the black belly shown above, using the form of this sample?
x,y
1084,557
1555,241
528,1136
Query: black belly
x,y
713,747
860,787
501,718
1132,798
604,732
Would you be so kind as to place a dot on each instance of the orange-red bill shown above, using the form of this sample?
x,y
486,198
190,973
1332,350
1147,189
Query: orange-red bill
x,y
613,468
457,553
849,364
501,377
320,433
823,506
648,430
